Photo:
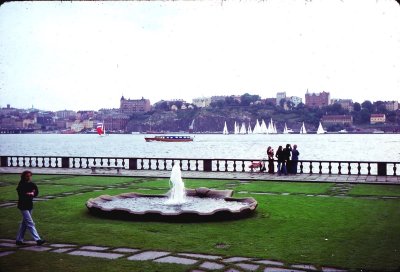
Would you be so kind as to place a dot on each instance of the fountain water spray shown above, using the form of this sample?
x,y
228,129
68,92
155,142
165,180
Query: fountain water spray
x,y
177,193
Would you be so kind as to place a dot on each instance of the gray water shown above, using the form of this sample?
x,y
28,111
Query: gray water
x,y
346,147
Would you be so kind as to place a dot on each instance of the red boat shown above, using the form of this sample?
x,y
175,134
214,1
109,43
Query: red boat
x,y
169,139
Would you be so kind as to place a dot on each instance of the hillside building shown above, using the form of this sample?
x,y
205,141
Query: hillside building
x,y
65,114
376,118
296,100
337,119
347,104
201,102
129,106
319,100
279,97
391,105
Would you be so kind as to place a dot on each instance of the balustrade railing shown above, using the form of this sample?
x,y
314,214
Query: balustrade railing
x,y
207,165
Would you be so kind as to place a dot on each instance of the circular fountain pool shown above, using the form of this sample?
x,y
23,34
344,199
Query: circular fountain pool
x,y
200,204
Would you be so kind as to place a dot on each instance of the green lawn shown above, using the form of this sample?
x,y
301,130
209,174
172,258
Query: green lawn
x,y
14,179
284,187
353,232
375,190
8,193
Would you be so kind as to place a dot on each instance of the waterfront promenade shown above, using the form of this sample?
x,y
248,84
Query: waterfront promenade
x,y
334,178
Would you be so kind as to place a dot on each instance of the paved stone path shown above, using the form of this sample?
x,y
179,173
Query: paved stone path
x,y
201,262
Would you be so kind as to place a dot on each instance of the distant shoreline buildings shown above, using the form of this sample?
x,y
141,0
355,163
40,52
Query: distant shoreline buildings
x,y
117,119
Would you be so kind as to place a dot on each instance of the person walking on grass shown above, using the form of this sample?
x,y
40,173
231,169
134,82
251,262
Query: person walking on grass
x,y
27,190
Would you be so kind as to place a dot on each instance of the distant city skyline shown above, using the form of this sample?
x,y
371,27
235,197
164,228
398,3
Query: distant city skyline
x,y
86,55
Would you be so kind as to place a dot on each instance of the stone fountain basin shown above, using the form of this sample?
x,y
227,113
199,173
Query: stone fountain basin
x,y
104,206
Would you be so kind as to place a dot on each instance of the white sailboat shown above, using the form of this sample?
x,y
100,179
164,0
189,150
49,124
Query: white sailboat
x,y
257,128
271,127
243,129
320,129
236,131
285,130
191,127
249,130
303,129
264,129
225,131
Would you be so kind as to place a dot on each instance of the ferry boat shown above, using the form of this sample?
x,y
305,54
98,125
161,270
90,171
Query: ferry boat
x,y
169,139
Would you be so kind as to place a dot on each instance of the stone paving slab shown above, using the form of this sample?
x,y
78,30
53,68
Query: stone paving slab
x,y
126,250
5,253
232,270
8,245
94,248
148,255
236,259
176,260
269,262
6,204
201,256
212,266
96,254
62,245
332,269
7,240
248,267
62,250
36,248
276,269
304,266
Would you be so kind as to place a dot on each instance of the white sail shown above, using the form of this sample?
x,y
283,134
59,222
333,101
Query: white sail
x,y
191,127
249,130
303,129
270,128
320,129
264,129
275,131
236,131
257,128
225,131
285,130
243,129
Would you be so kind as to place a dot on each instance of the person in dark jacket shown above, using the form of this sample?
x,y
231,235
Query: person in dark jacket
x,y
27,190
281,160
295,158
287,151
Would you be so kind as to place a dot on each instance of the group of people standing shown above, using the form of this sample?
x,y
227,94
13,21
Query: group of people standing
x,y
287,159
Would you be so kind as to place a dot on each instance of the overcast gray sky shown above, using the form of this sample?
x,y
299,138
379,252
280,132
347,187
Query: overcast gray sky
x,y
85,55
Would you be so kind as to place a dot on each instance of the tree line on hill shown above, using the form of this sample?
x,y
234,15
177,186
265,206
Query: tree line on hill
x,y
248,109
